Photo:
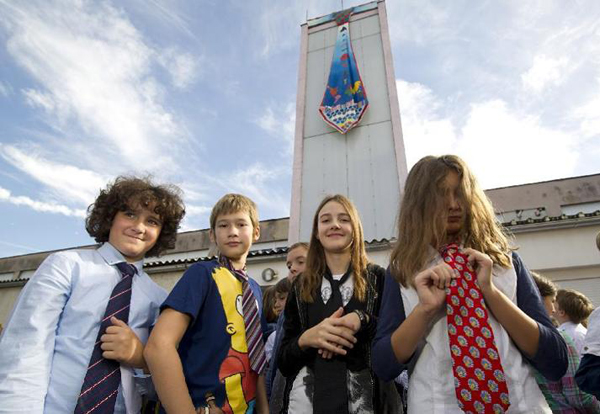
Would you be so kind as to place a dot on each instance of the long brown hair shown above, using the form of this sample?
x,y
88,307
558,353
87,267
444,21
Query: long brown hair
x,y
316,265
423,217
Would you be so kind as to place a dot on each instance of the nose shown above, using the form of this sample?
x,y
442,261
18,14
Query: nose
x,y
453,203
139,226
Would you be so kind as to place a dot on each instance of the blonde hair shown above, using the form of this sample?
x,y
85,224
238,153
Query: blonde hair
x,y
316,264
234,203
423,217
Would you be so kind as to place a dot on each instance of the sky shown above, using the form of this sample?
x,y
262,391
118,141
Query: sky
x,y
202,94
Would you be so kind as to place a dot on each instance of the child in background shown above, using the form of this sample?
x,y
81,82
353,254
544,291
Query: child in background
x,y
268,306
201,352
461,352
282,290
280,294
295,262
588,374
330,320
572,309
85,313
563,396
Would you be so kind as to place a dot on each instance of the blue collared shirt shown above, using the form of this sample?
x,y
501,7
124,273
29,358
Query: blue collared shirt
x,y
48,341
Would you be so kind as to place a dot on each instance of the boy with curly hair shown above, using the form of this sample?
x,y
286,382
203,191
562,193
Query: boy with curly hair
x,y
77,330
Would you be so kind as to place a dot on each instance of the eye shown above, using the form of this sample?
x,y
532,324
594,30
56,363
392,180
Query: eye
x,y
129,213
154,222
222,225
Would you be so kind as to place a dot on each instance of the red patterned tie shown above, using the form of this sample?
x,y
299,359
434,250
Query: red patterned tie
x,y
479,379
103,377
254,336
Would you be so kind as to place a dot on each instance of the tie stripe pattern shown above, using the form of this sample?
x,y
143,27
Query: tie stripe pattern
x,y
479,380
254,336
103,376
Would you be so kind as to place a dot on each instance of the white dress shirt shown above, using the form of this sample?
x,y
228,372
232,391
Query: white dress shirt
x,y
49,338
576,332
591,344
431,384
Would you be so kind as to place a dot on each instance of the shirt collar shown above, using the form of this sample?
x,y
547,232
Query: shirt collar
x,y
112,256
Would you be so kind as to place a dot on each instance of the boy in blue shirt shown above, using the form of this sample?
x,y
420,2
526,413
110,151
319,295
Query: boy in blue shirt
x,y
206,352
77,330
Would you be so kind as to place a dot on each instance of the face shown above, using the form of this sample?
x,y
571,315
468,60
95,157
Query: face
x,y
279,305
454,208
334,228
234,235
134,232
296,262
549,305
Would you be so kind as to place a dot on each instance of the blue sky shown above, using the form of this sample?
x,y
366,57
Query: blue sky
x,y
202,94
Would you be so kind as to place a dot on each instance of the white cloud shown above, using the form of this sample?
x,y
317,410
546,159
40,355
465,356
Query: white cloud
x,y
40,99
257,182
501,145
505,147
280,122
182,67
426,132
70,184
94,71
545,71
5,89
40,206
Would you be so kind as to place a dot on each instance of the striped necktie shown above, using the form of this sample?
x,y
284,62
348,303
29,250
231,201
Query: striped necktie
x,y
254,336
103,376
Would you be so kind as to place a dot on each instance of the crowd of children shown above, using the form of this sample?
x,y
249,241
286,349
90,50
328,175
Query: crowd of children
x,y
457,310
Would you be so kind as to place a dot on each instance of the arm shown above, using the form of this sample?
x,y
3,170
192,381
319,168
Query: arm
x,y
164,362
551,358
397,335
27,345
290,357
123,345
430,285
522,329
262,404
588,374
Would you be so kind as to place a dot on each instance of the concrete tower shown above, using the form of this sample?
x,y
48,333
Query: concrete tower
x,y
367,164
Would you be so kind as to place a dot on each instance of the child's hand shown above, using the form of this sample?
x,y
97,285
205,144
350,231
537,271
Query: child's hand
x,y
121,344
329,335
351,321
431,286
483,264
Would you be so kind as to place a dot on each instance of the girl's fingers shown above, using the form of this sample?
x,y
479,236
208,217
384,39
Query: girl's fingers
x,y
334,339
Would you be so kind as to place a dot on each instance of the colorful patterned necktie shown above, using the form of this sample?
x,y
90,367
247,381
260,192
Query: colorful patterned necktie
x,y
479,379
103,377
254,336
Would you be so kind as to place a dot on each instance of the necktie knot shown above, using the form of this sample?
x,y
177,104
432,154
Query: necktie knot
x,y
449,249
126,269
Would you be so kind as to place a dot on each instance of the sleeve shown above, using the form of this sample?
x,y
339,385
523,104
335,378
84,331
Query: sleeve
x,y
290,358
588,375
190,292
391,316
551,359
269,345
378,273
27,344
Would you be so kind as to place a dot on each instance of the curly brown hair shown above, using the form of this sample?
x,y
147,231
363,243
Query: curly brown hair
x,y
129,193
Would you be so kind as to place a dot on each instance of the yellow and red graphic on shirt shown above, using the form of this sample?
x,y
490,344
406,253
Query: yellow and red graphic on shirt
x,y
235,372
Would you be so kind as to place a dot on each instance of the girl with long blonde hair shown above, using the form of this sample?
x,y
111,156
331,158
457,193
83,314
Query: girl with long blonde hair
x,y
330,321
459,308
